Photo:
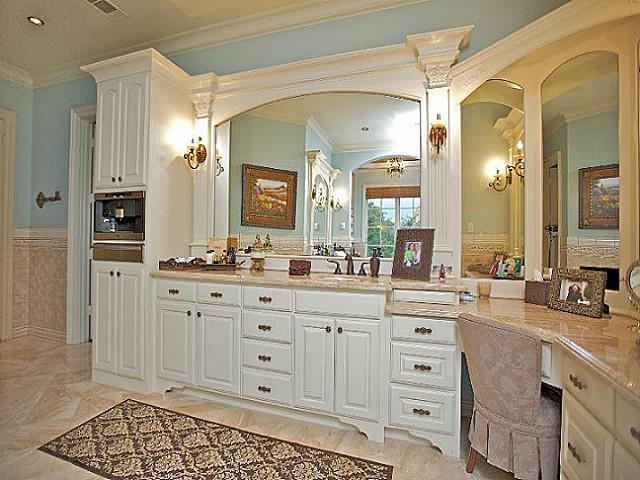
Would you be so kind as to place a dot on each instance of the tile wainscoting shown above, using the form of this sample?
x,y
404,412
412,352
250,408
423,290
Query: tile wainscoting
x,y
481,248
590,252
40,282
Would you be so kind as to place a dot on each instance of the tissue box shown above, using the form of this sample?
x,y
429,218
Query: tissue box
x,y
536,292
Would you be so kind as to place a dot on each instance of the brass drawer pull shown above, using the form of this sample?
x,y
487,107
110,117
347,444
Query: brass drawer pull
x,y
264,358
340,330
216,295
421,411
264,389
199,314
577,382
265,299
423,331
574,452
188,313
264,328
174,291
327,329
422,368
635,433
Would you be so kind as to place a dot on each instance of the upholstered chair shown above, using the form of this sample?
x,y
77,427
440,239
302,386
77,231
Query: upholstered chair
x,y
513,426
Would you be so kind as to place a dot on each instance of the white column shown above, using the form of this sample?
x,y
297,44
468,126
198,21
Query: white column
x,y
202,96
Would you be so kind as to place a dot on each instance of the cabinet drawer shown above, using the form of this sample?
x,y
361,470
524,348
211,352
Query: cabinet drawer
x,y
218,294
422,296
175,290
266,356
339,303
423,329
423,364
589,389
587,447
628,425
422,409
271,298
273,387
262,325
625,467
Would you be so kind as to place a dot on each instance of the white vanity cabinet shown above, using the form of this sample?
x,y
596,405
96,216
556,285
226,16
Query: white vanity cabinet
x,y
121,136
118,314
175,341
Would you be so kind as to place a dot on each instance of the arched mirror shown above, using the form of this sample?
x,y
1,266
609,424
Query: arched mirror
x,y
334,171
581,175
493,182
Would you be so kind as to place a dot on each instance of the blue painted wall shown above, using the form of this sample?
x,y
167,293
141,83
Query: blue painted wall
x,y
43,137
314,142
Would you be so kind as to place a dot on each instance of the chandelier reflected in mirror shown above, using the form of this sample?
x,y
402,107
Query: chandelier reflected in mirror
x,y
395,167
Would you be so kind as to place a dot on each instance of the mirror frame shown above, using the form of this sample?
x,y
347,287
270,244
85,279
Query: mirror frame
x,y
634,298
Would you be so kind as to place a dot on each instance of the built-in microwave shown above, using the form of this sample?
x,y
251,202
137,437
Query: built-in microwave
x,y
119,216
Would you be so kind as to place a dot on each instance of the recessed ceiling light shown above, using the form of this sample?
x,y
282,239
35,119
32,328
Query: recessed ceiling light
x,y
36,21
365,129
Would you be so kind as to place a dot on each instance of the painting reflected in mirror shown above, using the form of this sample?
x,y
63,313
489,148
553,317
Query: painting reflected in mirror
x,y
356,160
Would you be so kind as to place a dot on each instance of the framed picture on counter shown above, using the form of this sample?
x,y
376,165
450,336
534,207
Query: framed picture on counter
x,y
269,197
600,197
413,254
577,291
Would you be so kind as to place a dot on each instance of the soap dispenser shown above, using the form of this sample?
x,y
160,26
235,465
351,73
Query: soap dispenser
x,y
374,262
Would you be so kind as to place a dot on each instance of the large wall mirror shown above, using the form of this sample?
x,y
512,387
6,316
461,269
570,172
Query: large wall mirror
x,y
355,158
493,181
581,179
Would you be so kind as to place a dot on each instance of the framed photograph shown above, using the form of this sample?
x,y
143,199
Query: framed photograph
x,y
269,197
600,197
577,291
413,254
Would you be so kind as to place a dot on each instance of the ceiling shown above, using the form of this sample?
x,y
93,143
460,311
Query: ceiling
x,y
76,33
392,123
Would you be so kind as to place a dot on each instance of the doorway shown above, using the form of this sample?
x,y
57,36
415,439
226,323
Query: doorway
x,y
7,161
552,211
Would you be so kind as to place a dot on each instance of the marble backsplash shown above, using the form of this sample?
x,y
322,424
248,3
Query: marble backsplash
x,y
40,282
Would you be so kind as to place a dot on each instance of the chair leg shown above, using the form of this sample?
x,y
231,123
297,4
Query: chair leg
x,y
471,460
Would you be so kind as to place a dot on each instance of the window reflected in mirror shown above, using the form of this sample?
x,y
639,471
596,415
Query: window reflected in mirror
x,y
493,165
581,196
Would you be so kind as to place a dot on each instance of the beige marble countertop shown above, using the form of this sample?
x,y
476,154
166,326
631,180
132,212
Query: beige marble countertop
x,y
603,343
274,278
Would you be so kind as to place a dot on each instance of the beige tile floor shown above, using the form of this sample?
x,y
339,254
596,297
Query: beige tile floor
x,y
46,389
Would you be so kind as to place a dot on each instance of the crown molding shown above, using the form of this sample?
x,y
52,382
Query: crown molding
x,y
590,111
15,74
250,26
570,18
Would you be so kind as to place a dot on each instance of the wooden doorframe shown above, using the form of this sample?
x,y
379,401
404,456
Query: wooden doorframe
x,y
8,144
78,228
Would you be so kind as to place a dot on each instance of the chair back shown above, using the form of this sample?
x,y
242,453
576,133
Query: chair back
x,y
504,366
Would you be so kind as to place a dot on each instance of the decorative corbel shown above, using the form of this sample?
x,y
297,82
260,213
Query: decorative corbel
x,y
202,95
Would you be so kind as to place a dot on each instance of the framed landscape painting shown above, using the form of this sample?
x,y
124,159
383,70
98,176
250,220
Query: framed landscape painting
x,y
269,197
600,197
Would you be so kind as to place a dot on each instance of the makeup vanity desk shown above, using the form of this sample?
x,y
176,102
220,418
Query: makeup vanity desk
x,y
331,349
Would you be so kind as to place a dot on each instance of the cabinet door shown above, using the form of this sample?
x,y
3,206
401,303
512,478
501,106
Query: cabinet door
x,y
357,368
625,467
130,320
218,356
175,341
103,318
107,135
314,355
134,106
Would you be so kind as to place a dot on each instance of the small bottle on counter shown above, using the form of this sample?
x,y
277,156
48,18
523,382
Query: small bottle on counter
x,y
209,257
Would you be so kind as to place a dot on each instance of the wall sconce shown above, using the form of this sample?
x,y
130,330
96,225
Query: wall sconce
x,y
335,204
500,182
219,167
196,155
438,134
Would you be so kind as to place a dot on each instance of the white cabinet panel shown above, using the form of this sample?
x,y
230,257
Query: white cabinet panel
x,y
314,347
107,135
130,320
338,303
263,325
423,409
267,298
133,123
625,467
272,387
628,425
175,341
357,368
587,447
428,365
261,355
218,337
218,294
417,329
104,316
175,290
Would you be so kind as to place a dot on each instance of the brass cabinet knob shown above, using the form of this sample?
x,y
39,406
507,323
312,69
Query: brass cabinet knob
x,y
265,299
574,452
264,389
117,274
635,433
199,314
174,291
264,328
188,313
422,412
423,331
264,358
216,295
119,179
577,382
327,329
340,330
113,179
422,368
111,273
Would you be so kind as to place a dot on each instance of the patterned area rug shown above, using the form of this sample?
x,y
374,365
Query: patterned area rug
x,y
134,440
